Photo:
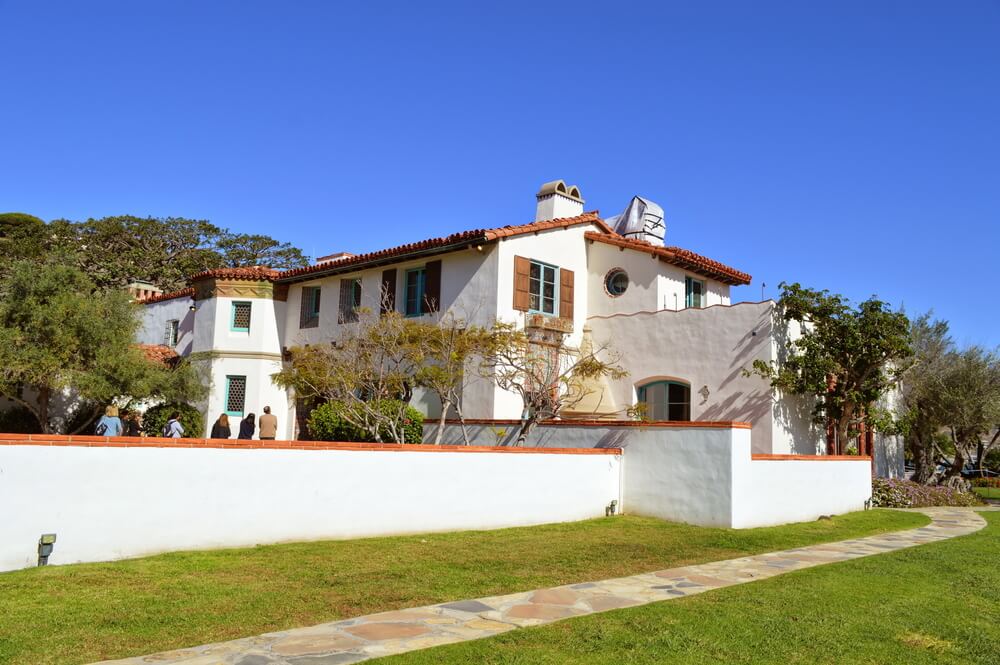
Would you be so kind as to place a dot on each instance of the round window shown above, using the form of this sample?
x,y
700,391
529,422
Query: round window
x,y
616,282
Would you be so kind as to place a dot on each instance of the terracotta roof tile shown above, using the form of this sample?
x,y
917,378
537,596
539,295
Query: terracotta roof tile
x,y
159,353
463,237
160,297
682,258
254,273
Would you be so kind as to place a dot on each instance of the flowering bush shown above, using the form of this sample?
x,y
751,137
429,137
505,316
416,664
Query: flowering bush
x,y
985,482
891,493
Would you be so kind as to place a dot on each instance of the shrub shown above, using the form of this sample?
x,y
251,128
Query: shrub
x,y
327,423
19,420
892,493
985,482
157,416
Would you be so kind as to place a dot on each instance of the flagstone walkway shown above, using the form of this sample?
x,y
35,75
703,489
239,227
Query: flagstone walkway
x,y
363,638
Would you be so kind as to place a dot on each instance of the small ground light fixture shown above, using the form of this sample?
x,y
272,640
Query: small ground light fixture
x,y
45,545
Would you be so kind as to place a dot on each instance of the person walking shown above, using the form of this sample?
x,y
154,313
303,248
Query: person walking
x,y
173,429
109,424
220,430
132,425
247,427
268,425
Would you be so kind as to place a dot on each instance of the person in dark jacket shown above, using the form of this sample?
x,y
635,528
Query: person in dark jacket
x,y
132,424
220,430
247,427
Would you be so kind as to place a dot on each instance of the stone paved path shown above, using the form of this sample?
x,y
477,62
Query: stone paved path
x,y
363,638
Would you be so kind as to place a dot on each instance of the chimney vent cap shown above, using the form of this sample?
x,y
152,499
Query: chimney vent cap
x,y
559,187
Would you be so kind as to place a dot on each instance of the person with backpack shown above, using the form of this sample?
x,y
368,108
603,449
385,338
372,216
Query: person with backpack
x,y
109,424
173,429
220,430
247,427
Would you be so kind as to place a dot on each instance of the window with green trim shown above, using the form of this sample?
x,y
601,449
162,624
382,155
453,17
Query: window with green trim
x,y
542,289
694,292
240,321
415,286
666,400
236,395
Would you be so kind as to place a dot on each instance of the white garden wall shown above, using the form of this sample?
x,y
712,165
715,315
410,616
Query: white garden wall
x,y
113,502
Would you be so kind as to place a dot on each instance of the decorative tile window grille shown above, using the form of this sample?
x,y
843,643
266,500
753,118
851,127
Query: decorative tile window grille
x,y
350,300
236,395
241,317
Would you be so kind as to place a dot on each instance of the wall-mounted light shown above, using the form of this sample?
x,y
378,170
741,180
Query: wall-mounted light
x,y
45,545
193,308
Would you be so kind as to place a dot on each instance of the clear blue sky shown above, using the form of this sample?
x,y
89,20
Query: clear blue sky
x,y
853,146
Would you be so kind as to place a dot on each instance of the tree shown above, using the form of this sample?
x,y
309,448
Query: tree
x,y
241,250
970,403
921,390
22,236
59,334
847,358
368,370
547,374
445,350
114,251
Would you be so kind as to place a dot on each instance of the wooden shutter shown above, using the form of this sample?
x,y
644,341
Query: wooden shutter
x,y
345,310
565,293
522,283
388,295
305,307
432,287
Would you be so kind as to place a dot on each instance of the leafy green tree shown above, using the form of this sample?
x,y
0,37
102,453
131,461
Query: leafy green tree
x,y
114,251
847,358
59,334
240,250
969,397
21,236
924,412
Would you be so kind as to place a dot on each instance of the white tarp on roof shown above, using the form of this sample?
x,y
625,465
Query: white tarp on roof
x,y
642,220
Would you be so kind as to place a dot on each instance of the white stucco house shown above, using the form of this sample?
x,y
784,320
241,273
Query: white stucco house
x,y
664,310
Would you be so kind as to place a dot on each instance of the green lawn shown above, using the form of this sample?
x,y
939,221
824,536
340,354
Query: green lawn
x,y
988,492
88,612
937,603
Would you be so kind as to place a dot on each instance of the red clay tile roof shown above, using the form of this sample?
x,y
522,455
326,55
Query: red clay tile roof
x,y
676,256
159,353
160,297
445,243
673,255
254,273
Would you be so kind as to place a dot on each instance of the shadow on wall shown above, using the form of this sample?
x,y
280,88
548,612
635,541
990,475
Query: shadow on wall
x,y
746,408
794,413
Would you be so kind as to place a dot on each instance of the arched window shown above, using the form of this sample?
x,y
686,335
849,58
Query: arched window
x,y
666,400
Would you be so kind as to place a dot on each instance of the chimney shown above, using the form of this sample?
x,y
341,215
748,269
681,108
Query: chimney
x,y
556,200
333,258
140,290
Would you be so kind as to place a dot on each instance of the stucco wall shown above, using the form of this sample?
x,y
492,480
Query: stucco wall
x,y
113,502
707,348
154,323
772,492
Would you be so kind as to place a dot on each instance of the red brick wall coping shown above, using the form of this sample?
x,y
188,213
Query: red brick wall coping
x,y
160,442
719,424
811,458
